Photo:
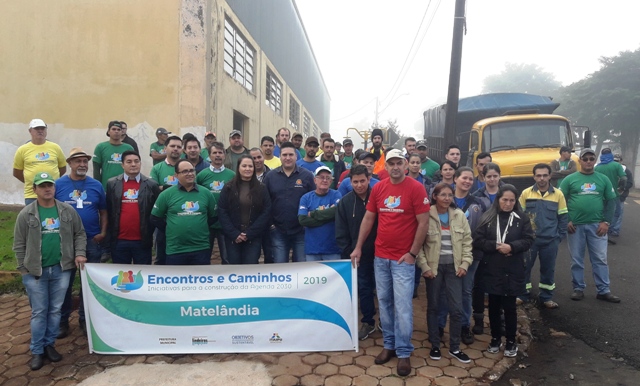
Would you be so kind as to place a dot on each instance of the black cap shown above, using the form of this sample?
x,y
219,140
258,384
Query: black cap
x,y
366,154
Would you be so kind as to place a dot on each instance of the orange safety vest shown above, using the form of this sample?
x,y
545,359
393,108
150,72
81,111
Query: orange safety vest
x,y
379,165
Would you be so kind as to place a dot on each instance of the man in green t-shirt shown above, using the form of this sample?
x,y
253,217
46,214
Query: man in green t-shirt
x,y
157,151
296,140
49,242
562,167
185,212
591,202
164,173
107,159
429,167
332,161
347,156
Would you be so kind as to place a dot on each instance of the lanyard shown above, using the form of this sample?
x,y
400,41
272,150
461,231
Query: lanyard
x,y
501,238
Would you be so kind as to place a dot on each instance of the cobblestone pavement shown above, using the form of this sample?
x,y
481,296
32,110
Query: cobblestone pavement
x,y
318,368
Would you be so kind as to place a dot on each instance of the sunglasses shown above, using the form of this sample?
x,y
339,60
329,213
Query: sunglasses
x,y
588,159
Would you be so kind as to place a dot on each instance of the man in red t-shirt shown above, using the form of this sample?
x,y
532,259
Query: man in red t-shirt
x,y
402,207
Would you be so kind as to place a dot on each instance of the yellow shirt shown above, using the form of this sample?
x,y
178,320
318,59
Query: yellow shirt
x,y
32,159
273,162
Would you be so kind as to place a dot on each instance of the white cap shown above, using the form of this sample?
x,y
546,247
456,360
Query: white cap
x,y
393,153
322,169
37,123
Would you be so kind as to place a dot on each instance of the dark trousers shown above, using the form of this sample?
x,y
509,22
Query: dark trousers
x,y
266,249
366,285
477,296
94,253
190,258
445,281
131,251
161,247
508,304
247,252
217,235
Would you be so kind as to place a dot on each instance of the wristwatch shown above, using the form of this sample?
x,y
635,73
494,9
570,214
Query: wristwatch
x,y
607,222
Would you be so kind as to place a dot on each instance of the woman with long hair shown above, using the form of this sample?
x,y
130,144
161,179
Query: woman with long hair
x,y
244,211
504,235
445,174
444,260
415,168
492,181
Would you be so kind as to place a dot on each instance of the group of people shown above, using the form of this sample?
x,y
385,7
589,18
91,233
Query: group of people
x,y
399,216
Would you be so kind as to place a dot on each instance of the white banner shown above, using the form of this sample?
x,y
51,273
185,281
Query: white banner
x,y
140,309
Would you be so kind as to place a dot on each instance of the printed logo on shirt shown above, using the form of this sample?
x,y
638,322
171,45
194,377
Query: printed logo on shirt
x,y
170,180
116,157
43,156
347,165
51,225
190,208
216,186
298,183
423,171
588,188
78,195
131,195
392,202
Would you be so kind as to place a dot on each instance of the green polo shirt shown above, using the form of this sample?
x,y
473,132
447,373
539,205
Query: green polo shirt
x,y
187,215
164,174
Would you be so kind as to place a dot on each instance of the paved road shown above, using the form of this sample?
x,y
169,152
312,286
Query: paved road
x,y
610,328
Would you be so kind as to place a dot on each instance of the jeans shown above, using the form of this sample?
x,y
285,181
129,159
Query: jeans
x,y
267,249
202,257
46,296
616,223
466,299
366,285
446,284
508,304
335,256
128,251
222,246
161,247
585,237
247,252
94,253
28,201
547,251
282,243
394,286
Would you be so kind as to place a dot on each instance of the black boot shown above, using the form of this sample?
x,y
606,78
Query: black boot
x,y
37,361
478,327
64,330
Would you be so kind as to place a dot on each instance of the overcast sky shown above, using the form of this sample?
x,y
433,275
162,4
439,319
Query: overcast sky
x,y
361,46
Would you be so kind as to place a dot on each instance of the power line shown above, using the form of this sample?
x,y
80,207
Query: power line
x,y
353,113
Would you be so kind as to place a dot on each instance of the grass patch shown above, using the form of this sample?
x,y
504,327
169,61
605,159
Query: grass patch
x,y
7,257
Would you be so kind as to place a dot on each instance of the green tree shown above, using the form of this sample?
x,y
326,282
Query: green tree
x,y
525,78
608,101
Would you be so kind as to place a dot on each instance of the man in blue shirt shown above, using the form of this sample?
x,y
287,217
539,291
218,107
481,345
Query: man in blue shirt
x,y
286,185
309,161
88,198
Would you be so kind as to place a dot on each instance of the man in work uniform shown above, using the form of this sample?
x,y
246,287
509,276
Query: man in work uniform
x,y
547,210
591,203
378,150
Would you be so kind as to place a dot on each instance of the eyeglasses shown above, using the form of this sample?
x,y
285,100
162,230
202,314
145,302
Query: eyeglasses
x,y
588,159
189,171
325,178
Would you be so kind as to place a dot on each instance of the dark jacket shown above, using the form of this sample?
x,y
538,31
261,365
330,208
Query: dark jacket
x,y
130,141
285,192
504,275
201,165
629,184
349,214
473,210
230,217
147,195
227,158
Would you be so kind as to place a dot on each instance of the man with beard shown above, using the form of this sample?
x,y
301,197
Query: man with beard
x,y
283,135
87,197
429,167
266,144
347,156
107,159
377,149
309,160
235,150
331,160
297,142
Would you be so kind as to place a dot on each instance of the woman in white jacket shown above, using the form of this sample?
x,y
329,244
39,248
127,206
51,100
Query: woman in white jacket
x,y
444,259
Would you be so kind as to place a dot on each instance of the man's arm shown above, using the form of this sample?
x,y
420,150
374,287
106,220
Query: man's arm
x,y
97,171
62,170
157,156
104,222
365,229
19,174
418,239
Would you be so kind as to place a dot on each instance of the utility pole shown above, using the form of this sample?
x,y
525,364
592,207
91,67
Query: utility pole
x,y
454,74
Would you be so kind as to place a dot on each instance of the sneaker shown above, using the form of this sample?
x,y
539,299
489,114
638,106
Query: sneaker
x,y
459,355
511,349
466,336
435,354
519,301
366,329
494,346
550,304
577,295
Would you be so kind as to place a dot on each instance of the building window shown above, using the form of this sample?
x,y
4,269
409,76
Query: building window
x,y
306,124
238,56
294,113
316,131
274,93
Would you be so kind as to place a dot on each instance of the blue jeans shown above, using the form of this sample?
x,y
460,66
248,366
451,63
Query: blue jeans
x,y
128,251
28,201
586,237
366,284
190,258
547,251
282,243
335,256
94,253
247,252
46,296
222,245
467,299
616,223
394,286
446,284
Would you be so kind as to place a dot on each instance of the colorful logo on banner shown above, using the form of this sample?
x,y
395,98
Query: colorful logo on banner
x,y
42,156
392,202
275,338
126,281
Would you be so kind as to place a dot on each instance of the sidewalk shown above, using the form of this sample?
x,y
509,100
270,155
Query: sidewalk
x,y
323,368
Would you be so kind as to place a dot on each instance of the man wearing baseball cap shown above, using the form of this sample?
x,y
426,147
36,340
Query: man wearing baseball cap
x,y
401,206
209,139
87,197
317,214
235,150
591,201
46,255
157,151
107,159
309,160
429,167
296,140
38,155
347,155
